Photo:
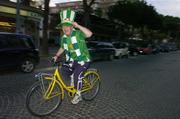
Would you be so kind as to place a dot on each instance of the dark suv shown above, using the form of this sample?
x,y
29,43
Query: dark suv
x,y
17,50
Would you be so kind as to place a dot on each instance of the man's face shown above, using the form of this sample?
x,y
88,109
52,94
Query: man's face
x,y
67,30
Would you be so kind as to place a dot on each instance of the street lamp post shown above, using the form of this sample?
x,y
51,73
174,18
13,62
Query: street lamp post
x,y
18,16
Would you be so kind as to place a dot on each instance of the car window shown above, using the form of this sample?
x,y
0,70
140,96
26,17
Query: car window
x,y
116,45
91,45
100,46
14,42
27,42
119,45
3,42
104,46
123,46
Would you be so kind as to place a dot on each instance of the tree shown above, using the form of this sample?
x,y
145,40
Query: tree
x,y
171,25
98,12
87,11
44,41
137,14
26,2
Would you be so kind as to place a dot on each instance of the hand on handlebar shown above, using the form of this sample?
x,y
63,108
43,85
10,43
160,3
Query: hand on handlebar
x,y
54,59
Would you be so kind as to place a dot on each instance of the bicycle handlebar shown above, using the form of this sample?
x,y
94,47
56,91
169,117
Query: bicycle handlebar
x,y
58,62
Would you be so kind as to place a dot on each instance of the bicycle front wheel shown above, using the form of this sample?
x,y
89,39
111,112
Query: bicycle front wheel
x,y
36,102
91,85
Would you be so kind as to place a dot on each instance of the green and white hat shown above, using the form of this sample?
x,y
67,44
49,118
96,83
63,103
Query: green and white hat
x,y
67,17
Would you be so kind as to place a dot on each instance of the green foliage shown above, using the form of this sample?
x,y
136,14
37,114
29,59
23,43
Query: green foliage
x,y
171,23
136,13
98,12
140,15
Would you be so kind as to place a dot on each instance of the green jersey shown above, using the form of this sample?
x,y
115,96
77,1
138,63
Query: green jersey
x,y
75,47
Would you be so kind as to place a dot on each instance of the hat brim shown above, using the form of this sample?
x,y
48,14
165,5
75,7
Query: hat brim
x,y
60,25
67,24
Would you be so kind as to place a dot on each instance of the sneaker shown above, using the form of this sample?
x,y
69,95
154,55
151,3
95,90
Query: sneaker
x,y
76,99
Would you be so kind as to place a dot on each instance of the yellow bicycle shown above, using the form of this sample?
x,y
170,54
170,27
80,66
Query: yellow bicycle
x,y
46,95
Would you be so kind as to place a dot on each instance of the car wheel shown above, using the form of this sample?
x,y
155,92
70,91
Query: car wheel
x,y
27,66
119,56
126,56
111,57
135,53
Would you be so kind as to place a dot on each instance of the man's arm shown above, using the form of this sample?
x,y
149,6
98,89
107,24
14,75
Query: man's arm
x,y
59,52
85,30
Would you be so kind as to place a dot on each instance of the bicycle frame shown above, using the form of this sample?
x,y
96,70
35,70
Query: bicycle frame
x,y
57,79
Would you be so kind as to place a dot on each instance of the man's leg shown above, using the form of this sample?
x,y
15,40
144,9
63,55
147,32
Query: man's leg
x,y
78,70
66,71
78,74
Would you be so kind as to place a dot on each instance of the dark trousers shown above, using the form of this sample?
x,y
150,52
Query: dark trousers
x,y
75,70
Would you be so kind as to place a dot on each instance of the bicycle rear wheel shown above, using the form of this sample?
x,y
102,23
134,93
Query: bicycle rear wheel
x,y
90,85
36,102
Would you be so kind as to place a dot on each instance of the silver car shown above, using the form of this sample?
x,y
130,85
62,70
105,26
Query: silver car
x,y
121,49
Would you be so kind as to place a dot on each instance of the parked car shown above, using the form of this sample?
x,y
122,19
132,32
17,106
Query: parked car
x,y
133,49
145,49
17,50
121,49
164,47
101,50
172,46
155,49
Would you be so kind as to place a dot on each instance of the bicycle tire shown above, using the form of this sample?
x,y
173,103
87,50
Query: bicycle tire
x,y
39,106
91,78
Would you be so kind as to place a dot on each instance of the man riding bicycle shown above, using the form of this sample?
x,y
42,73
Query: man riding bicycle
x,y
74,45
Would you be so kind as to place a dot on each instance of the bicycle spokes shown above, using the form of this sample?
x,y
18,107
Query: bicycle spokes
x,y
49,90
40,106
91,84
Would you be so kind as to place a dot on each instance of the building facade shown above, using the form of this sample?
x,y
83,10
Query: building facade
x,y
77,5
30,20
103,5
